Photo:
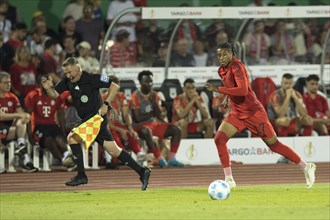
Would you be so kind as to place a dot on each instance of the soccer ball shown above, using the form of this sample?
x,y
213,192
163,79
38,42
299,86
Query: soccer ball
x,y
219,190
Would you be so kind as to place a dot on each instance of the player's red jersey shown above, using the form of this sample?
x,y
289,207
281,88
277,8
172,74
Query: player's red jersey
x,y
317,107
43,107
9,103
237,86
115,115
180,103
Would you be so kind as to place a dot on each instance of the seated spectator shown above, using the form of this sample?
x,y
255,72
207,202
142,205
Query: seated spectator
x,y
317,106
120,125
23,73
88,63
287,112
69,47
146,115
160,60
13,122
200,55
46,131
181,57
257,45
122,53
48,64
74,9
17,36
185,109
211,32
282,45
39,21
6,25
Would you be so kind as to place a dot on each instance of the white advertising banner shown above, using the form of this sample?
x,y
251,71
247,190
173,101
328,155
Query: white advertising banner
x,y
235,12
252,150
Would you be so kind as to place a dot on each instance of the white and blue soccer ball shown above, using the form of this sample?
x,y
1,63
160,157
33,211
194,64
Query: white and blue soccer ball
x,y
219,190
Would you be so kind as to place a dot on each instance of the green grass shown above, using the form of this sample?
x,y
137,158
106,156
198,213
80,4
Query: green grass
x,y
246,202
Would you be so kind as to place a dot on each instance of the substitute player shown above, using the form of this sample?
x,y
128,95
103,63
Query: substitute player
x,y
247,112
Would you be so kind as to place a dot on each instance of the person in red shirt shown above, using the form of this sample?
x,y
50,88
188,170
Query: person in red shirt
x,y
46,132
13,122
120,125
287,112
185,109
246,112
147,120
317,106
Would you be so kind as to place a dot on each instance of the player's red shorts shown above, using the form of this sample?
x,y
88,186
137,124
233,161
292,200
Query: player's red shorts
x,y
158,128
258,124
192,127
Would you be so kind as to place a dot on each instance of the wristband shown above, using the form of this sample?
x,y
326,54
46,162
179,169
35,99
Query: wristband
x,y
108,105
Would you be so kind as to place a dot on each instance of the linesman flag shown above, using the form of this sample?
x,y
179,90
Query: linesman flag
x,y
89,130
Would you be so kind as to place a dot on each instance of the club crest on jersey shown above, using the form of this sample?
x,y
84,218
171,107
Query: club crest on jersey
x,y
84,99
104,78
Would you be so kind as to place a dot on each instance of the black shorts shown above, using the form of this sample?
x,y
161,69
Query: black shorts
x,y
4,129
104,134
41,132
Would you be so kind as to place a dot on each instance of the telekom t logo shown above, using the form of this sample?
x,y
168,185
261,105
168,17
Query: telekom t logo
x,y
46,111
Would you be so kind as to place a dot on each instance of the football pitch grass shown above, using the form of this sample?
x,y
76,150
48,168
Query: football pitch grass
x,y
290,201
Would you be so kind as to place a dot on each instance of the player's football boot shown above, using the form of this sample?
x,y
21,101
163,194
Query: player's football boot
x,y
309,172
175,163
77,180
162,162
144,178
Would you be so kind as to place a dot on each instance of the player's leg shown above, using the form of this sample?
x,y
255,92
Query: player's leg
x,y
225,132
183,124
206,125
165,130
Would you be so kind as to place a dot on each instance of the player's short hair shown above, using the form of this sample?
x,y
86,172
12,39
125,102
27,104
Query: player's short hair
x,y
228,46
71,61
287,76
144,73
313,77
188,80
4,74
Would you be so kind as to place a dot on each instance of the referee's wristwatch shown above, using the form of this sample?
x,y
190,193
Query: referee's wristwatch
x,y
108,105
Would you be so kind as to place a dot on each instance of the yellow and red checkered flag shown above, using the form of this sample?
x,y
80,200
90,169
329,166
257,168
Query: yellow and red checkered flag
x,y
89,130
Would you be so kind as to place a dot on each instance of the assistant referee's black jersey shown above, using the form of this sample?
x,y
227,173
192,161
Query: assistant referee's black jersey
x,y
85,93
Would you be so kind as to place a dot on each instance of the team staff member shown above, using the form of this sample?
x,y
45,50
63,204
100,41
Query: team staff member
x,y
86,98
247,112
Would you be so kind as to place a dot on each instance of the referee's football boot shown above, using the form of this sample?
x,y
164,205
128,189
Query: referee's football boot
x,y
77,180
144,178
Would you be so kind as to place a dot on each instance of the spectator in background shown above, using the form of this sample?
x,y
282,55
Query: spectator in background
x,y
126,22
5,24
90,29
160,60
74,9
221,37
23,73
213,30
13,122
39,21
149,40
48,64
283,48
317,106
70,49
185,109
1,51
13,14
88,63
287,112
46,131
257,45
146,115
200,55
122,53
69,29
97,10
181,57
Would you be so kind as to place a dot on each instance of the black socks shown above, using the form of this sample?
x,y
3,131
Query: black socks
x,y
127,159
78,158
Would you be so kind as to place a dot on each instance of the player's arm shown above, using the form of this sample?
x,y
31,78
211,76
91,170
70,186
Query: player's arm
x,y
282,109
202,108
300,106
182,112
19,114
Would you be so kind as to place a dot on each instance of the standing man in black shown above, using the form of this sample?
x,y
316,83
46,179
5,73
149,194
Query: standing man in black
x,y
84,89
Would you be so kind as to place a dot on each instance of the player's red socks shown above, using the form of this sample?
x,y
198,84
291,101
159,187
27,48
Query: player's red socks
x,y
174,146
285,151
220,141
